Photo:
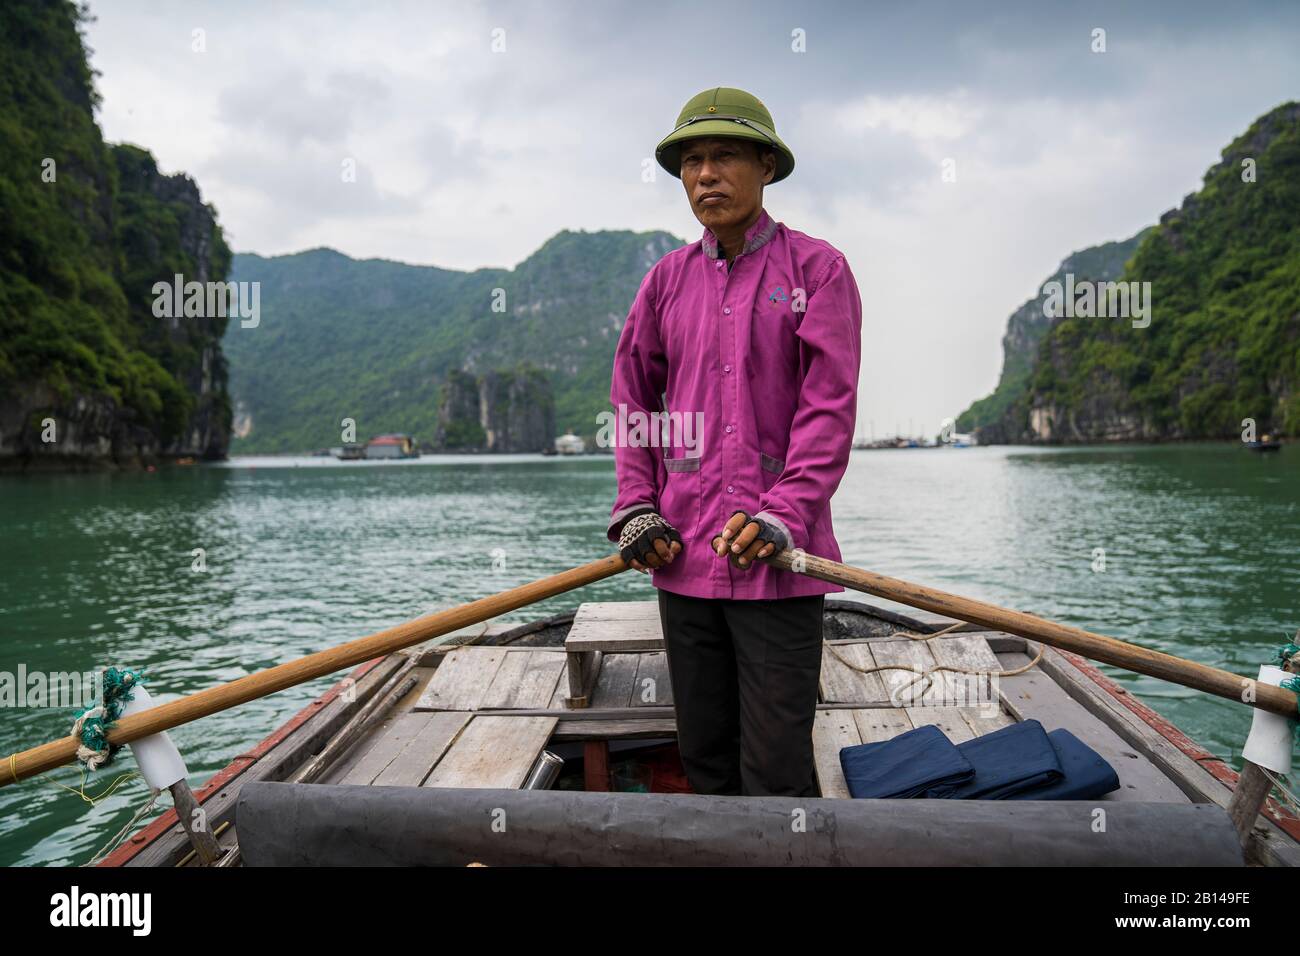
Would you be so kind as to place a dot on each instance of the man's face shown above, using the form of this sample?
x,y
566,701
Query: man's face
x,y
724,179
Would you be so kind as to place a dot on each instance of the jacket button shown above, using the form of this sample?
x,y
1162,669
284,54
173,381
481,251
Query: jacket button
x,y
730,490
726,368
727,429
726,311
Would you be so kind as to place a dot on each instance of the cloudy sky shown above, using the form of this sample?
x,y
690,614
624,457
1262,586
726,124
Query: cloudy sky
x,y
468,156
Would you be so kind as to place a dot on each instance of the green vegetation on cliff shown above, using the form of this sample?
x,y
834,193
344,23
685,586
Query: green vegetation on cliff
x,y
1223,342
85,230
405,348
1224,339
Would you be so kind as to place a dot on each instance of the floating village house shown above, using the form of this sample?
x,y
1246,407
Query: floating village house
x,y
391,446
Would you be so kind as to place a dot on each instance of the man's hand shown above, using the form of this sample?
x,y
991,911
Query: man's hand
x,y
648,541
745,539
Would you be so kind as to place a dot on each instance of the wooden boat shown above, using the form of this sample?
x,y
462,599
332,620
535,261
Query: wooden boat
x,y
415,757
1265,444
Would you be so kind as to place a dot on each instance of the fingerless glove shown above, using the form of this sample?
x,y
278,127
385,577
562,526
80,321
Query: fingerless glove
x,y
640,531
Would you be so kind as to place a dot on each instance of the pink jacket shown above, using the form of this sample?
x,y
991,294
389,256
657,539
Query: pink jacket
x,y
737,389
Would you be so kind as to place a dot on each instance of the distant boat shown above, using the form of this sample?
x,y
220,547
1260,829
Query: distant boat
x,y
570,444
350,452
1265,443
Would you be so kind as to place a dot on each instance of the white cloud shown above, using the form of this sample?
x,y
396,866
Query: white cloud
x,y
468,158
924,118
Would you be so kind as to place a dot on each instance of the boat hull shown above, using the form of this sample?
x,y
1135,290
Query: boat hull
x,y
284,824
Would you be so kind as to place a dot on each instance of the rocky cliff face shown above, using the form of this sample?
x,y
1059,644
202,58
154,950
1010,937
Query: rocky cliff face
x,y
88,374
500,411
517,410
165,229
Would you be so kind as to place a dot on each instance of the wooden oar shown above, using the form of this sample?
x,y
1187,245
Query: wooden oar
x,y
224,696
1098,647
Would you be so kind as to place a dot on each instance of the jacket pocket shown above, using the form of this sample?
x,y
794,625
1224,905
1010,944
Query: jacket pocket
x,y
679,499
769,470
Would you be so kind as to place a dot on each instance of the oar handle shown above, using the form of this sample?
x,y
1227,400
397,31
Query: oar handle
x,y
224,696
1098,647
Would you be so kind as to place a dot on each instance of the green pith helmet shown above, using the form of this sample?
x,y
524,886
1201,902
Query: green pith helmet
x,y
724,111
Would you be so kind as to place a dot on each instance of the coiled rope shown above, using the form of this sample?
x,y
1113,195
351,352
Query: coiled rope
x,y
91,726
926,673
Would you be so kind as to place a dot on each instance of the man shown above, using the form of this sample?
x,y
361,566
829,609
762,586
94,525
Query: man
x,y
754,332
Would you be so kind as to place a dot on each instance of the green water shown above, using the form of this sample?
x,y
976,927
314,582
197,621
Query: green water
x,y
1200,560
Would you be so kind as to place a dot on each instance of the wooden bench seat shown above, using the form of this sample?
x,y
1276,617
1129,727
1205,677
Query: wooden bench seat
x,y
600,628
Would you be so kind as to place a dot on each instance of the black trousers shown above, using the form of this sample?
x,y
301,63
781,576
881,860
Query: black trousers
x,y
744,677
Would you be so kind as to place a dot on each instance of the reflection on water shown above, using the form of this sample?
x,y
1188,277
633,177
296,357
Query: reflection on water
x,y
1197,543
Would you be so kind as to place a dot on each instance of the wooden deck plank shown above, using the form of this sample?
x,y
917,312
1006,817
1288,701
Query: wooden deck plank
x,y
505,682
384,747
493,752
947,719
462,679
640,728
341,767
881,723
561,689
832,731
985,720
616,626
1035,694
652,686
540,680
914,654
421,754
526,680
972,652
841,684
615,680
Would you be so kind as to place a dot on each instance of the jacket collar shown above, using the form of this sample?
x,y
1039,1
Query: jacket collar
x,y
763,229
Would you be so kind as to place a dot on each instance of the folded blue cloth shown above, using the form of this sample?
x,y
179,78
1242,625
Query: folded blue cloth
x,y
1007,761
904,766
1087,774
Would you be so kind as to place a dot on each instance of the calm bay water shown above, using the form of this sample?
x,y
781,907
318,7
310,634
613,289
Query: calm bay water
x,y
1200,547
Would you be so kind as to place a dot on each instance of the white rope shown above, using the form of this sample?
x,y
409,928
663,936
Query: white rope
x,y
90,759
924,673
1290,797
112,844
